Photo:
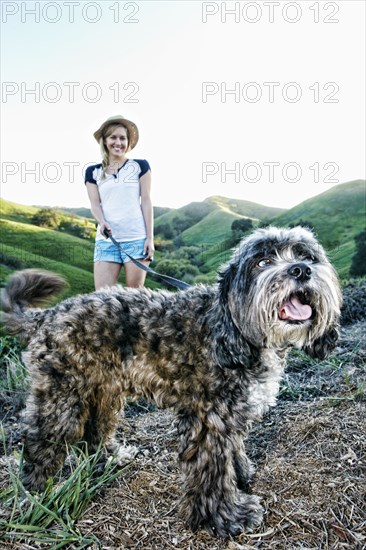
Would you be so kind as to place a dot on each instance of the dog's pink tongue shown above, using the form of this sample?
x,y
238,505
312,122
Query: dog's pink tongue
x,y
294,310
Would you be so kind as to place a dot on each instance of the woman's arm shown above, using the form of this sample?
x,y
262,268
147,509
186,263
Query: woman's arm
x,y
96,207
147,212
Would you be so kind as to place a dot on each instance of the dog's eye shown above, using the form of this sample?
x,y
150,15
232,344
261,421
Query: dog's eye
x,y
264,262
310,258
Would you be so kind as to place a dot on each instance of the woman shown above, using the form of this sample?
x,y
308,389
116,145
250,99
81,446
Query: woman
x,y
119,193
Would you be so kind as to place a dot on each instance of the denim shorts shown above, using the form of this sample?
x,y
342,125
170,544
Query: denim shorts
x,y
106,251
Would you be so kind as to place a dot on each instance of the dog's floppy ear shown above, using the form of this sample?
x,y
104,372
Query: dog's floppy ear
x,y
225,280
324,345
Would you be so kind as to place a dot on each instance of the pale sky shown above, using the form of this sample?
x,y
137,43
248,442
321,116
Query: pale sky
x,y
260,101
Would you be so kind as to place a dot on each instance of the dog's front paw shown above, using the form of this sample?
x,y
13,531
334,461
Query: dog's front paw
x,y
124,454
249,514
33,477
236,518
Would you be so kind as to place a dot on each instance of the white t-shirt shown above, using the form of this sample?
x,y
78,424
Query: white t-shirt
x,y
120,199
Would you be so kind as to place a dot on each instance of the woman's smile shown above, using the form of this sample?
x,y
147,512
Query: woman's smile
x,y
117,142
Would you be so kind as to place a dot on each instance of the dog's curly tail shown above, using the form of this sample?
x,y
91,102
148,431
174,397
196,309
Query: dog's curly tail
x,y
27,288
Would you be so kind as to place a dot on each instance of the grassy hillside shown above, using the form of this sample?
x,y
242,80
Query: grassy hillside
x,y
337,216
246,209
17,212
213,228
47,243
25,245
191,213
12,258
203,228
210,221
216,225
81,212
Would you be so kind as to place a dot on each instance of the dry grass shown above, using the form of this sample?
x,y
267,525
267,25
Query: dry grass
x,y
310,475
309,452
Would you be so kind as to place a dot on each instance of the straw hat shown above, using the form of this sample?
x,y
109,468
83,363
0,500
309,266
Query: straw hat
x,y
131,126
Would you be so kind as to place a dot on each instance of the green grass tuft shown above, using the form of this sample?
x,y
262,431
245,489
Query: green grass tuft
x,y
14,377
51,516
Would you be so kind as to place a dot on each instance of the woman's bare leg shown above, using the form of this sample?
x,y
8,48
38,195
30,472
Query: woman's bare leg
x,y
106,274
135,276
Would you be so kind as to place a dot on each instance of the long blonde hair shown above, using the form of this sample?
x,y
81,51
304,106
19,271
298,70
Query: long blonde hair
x,y
108,130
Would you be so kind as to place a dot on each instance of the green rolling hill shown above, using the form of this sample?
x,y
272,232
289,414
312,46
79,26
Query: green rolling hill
x,y
336,215
24,245
16,212
216,226
210,221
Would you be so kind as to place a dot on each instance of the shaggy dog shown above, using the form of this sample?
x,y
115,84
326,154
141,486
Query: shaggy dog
x,y
213,354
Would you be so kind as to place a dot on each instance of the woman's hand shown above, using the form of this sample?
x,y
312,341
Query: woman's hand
x,y
103,227
149,249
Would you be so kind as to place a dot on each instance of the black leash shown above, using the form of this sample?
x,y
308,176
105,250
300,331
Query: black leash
x,y
165,278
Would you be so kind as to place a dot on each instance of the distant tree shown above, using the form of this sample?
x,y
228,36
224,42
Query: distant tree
x,y
241,225
88,232
358,265
238,228
181,224
79,228
46,217
178,241
190,270
173,268
181,269
166,230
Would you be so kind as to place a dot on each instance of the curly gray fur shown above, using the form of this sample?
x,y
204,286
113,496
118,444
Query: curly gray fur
x,y
213,354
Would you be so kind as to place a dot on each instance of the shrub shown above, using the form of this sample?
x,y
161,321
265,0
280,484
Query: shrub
x,y
358,265
46,217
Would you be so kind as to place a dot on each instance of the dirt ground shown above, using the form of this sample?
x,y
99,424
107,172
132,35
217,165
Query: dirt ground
x,y
309,452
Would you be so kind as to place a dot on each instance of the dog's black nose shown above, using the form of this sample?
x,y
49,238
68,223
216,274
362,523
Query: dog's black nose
x,y
301,272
